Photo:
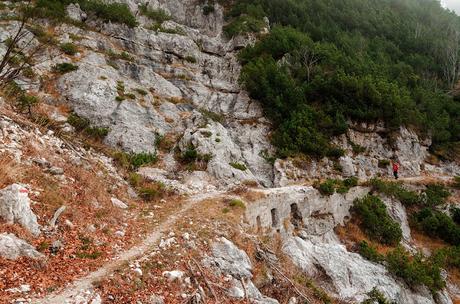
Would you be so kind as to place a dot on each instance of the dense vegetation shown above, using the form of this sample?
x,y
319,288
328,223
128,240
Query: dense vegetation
x,y
376,222
327,61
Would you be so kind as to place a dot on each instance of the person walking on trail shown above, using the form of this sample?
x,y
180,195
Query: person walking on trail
x,y
395,169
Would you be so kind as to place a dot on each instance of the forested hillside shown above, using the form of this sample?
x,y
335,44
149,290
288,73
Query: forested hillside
x,y
328,61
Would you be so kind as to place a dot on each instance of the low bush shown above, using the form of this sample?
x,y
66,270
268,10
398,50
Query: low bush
x,y
140,159
236,203
79,123
436,194
416,270
369,252
376,297
397,191
239,166
448,256
375,221
455,214
69,48
148,193
132,161
208,9
97,132
64,67
456,184
327,187
157,15
334,185
56,9
438,224
383,163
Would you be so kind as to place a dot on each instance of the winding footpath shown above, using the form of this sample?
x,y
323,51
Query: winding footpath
x,y
82,285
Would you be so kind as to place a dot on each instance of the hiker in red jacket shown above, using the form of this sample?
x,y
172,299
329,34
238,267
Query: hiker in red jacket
x,y
395,169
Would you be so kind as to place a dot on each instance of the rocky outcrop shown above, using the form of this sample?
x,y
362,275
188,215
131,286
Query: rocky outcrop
x,y
368,149
349,275
12,247
235,263
15,208
303,206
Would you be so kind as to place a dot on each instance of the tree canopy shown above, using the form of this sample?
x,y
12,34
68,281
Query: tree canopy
x,y
327,61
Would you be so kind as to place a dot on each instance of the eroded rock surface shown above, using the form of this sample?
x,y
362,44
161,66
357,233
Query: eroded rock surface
x,y
15,208
12,247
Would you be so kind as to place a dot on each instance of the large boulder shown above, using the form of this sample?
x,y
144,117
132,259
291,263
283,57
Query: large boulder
x,y
12,248
230,259
15,208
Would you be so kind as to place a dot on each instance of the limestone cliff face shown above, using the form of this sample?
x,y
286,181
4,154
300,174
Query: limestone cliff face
x,y
144,84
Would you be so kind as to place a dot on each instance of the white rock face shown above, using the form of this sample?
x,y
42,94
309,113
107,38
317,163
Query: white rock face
x,y
119,204
12,247
234,262
15,208
75,13
398,213
351,276
229,259
278,204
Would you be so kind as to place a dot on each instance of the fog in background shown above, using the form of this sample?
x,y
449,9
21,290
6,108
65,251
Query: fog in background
x,y
452,4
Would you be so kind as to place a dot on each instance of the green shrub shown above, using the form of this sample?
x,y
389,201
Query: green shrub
x,y
455,214
79,123
438,224
190,155
456,184
141,91
56,9
357,148
135,179
114,12
157,15
140,159
212,116
436,194
383,163
236,203
26,102
190,59
327,188
97,132
69,48
239,166
369,252
208,9
64,67
376,297
397,191
350,182
448,256
376,222
334,185
415,271
148,193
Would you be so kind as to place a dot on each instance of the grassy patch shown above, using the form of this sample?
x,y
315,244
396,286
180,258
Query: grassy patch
x,y
236,203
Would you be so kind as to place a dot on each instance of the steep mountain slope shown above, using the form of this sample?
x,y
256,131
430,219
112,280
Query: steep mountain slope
x,y
136,169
